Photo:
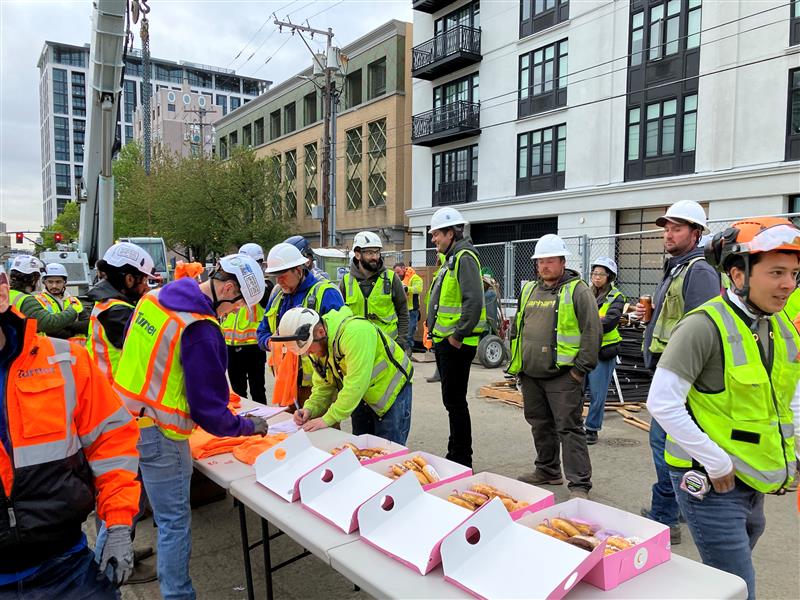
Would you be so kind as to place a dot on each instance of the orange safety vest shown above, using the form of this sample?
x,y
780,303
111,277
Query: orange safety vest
x,y
285,365
100,348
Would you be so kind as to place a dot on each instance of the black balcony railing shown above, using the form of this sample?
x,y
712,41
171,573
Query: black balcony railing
x,y
430,6
447,123
455,192
454,49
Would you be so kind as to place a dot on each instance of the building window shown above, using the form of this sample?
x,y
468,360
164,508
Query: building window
x,y
198,78
289,122
354,155
290,162
468,15
71,57
377,78
223,147
60,92
222,101
247,136
664,29
310,108
133,68
466,89
130,99
275,124
78,94
78,140
61,137
455,176
541,160
275,165
235,102
376,149
661,138
793,119
258,132
538,15
310,177
168,73
63,180
543,79
251,87
228,84
170,107
233,138
353,89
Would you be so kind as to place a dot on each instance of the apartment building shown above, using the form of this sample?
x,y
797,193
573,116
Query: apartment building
x,y
551,116
63,91
373,150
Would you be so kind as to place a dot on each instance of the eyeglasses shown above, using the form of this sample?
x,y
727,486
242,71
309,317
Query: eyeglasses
x,y
599,274
371,252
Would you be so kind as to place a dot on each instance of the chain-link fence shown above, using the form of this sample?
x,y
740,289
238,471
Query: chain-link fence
x,y
639,256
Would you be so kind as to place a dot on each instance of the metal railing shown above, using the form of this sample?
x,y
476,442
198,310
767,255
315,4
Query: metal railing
x,y
456,115
455,192
458,39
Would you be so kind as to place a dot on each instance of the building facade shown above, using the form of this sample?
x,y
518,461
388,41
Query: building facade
x,y
63,97
373,151
589,118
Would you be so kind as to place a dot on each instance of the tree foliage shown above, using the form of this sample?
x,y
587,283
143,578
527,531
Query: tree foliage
x,y
67,224
199,203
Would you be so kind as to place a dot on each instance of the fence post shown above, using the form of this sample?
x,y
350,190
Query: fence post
x,y
586,257
508,275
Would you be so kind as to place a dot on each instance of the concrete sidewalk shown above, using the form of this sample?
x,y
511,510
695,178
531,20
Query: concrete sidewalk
x,y
622,477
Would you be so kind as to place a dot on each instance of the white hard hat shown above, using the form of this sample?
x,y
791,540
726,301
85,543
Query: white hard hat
x,y
26,264
296,328
367,239
249,275
684,210
608,263
55,270
126,253
284,256
446,217
550,245
252,250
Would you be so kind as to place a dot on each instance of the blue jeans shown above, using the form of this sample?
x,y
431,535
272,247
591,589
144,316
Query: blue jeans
x,y
413,319
725,527
597,381
393,426
71,576
166,467
663,506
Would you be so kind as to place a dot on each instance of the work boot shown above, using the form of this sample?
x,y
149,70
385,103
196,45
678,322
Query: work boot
x,y
579,493
674,530
591,437
539,478
142,573
434,378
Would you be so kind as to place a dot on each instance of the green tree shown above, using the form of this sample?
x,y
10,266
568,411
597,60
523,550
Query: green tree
x,y
67,224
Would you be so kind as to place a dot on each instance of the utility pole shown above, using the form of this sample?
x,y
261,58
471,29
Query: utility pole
x,y
328,152
201,112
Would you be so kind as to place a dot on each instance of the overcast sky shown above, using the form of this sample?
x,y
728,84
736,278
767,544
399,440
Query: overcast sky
x,y
202,31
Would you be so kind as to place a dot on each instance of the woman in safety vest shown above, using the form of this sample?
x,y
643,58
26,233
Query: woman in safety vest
x,y
726,392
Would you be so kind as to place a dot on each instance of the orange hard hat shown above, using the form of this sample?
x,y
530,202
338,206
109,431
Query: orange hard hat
x,y
751,236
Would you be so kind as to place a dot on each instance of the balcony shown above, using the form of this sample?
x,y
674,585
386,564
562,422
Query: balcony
x,y
454,49
447,123
430,6
455,192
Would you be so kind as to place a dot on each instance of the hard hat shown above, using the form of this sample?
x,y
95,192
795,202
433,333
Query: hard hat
x,y
126,253
684,210
366,239
252,250
249,275
26,264
55,270
283,257
608,263
296,328
751,236
446,217
550,245
302,244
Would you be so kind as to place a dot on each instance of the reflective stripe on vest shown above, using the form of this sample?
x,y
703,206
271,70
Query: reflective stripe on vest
x,y
150,377
751,419
448,311
672,307
48,303
16,298
100,348
378,307
240,327
391,371
613,336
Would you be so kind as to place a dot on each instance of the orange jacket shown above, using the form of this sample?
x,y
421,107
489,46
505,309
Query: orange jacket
x,y
74,445
285,366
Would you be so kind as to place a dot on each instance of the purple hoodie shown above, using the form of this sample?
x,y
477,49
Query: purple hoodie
x,y
204,358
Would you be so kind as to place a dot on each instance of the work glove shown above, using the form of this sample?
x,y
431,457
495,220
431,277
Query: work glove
x,y
260,426
116,562
75,304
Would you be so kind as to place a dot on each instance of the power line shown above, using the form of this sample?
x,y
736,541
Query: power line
x,y
250,41
271,56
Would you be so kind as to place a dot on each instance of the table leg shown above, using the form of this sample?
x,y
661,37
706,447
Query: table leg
x,y
248,572
267,557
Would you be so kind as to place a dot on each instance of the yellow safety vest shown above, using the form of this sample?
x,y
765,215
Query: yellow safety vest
x,y
613,336
448,311
672,308
567,334
150,377
240,327
100,348
16,298
51,305
751,419
378,308
414,286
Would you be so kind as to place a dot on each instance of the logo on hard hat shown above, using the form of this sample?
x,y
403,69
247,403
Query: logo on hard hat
x,y
127,252
250,279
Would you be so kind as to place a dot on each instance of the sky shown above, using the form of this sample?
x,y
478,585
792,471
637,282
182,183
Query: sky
x,y
209,32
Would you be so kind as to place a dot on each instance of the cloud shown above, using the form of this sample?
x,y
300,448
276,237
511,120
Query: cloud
x,y
206,32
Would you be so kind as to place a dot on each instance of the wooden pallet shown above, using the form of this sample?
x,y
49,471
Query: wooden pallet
x,y
502,391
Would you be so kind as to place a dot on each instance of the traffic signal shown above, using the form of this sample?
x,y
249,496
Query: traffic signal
x,y
20,237
57,237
